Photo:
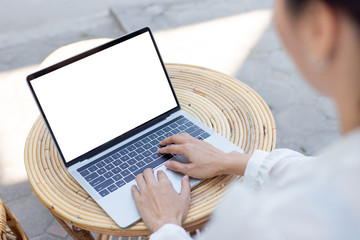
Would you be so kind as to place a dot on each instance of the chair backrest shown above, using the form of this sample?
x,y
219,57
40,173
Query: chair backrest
x,y
9,225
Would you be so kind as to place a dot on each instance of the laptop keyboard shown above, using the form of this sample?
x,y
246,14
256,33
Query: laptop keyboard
x,y
119,167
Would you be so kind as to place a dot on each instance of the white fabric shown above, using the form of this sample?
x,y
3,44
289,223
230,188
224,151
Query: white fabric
x,y
168,231
286,195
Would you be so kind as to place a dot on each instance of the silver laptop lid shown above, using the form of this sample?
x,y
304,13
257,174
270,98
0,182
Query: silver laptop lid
x,y
94,100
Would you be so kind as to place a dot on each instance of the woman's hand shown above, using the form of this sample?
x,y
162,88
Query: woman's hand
x,y
205,161
157,200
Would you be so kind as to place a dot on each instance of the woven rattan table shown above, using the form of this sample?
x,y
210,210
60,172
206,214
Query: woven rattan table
x,y
221,102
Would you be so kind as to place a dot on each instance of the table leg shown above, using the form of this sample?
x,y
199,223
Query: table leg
x,y
82,234
75,232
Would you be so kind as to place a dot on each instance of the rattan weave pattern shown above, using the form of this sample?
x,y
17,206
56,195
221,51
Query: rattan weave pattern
x,y
2,221
223,103
10,228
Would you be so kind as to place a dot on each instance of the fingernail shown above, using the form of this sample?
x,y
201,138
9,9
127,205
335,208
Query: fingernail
x,y
186,177
167,164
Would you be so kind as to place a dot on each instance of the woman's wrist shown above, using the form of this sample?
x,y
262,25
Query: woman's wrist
x,y
235,163
161,223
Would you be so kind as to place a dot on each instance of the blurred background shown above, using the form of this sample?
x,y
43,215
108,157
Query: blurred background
x,y
236,37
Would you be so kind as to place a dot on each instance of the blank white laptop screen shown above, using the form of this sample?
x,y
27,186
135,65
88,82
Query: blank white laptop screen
x,y
103,96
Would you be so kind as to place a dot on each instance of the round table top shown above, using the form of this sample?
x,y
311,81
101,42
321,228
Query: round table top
x,y
221,102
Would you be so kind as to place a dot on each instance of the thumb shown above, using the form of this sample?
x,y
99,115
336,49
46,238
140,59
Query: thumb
x,y
185,188
177,166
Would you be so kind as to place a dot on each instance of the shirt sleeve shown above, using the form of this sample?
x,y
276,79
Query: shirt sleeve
x,y
272,167
170,231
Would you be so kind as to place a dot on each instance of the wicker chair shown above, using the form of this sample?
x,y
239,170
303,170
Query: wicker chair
x,y
9,226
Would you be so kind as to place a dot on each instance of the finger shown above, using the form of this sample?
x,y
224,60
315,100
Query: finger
x,y
140,181
185,188
162,176
178,167
149,176
177,139
174,139
185,134
136,194
176,149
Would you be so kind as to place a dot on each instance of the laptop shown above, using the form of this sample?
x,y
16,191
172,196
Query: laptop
x,y
107,109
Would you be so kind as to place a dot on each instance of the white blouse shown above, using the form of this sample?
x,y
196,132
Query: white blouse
x,y
286,195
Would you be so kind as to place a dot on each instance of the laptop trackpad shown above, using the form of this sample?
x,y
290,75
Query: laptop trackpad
x,y
121,207
175,178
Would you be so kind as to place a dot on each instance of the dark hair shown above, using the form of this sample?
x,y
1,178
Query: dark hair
x,y
351,7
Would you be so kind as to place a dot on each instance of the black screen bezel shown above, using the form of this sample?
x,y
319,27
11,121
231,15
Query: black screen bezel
x,y
117,139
